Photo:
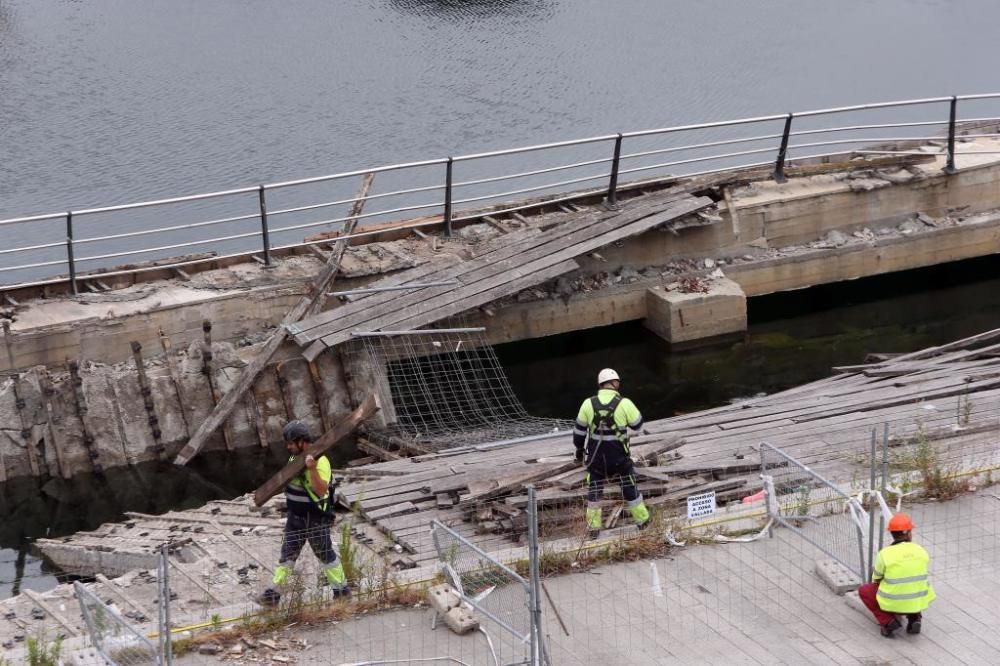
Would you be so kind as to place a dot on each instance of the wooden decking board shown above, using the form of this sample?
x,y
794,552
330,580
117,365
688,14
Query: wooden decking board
x,y
497,278
494,263
380,303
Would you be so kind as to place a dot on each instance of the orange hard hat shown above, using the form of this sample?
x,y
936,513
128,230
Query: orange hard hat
x,y
901,522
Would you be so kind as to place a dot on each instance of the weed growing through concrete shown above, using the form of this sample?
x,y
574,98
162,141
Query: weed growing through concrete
x,y
349,555
938,482
398,596
43,652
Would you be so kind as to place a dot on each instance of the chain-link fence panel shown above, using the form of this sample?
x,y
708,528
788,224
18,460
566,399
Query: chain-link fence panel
x,y
798,497
113,636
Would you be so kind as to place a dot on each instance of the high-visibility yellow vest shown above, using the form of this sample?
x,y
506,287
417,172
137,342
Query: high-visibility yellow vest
x,y
905,586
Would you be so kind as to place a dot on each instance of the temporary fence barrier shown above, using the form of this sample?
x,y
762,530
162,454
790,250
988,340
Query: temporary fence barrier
x,y
114,637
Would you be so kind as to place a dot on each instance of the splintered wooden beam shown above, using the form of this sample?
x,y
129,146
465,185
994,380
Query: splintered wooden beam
x,y
309,304
274,485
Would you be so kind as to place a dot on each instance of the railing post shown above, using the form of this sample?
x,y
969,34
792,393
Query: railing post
x,y
264,233
949,168
166,645
612,199
447,197
779,163
539,656
70,261
871,514
885,474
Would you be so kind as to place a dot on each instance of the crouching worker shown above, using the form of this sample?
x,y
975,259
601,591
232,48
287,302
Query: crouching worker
x,y
310,517
900,583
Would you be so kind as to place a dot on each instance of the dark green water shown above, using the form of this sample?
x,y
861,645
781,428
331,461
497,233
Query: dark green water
x,y
793,338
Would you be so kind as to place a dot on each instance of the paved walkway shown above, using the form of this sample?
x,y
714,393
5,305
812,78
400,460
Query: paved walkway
x,y
737,603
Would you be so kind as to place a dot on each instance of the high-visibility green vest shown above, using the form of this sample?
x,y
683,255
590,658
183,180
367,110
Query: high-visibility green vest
x,y
904,586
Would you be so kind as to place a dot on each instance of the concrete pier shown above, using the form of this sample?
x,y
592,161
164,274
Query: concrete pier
x,y
718,307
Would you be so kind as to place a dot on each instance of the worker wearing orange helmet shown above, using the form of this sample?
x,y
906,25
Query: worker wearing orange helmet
x,y
900,583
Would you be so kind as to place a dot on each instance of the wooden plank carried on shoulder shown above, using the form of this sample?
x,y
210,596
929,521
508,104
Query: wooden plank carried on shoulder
x,y
274,485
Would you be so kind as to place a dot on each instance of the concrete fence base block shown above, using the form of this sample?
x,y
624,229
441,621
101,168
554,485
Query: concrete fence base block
x,y
442,598
837,577
461,620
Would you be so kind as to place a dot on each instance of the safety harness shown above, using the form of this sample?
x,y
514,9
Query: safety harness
x,y
604,419
603,422
322,504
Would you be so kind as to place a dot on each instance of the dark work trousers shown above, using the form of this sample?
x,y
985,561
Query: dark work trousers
x,y
609,463
867,593
312,528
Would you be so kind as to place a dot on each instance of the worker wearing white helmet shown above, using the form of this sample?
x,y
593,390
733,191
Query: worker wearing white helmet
x,y
601,439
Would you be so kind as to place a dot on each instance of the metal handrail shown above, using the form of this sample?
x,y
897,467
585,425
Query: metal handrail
x,y
177,227
335,220
531,149
40,264
29,248
383,195
355,173
537,172
174,246
536,188
163,202
450,184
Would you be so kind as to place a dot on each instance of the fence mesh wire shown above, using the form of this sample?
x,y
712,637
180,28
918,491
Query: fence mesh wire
x,y
112,635
448,389
732,588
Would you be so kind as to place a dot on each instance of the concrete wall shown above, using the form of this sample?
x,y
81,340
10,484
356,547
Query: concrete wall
x,y
105,423
797,213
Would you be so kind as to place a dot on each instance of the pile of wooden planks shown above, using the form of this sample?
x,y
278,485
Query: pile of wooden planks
x,y
483,494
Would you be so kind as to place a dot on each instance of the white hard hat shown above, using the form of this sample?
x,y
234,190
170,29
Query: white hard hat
x,y
606,375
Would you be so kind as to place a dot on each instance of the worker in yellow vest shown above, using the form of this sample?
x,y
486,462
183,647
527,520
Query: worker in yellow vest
x,y
601,439
308,498
900,583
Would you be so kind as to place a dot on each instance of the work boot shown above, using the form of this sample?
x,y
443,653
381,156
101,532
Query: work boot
x,y
340,592
269,597
643,525
887,629
913,625
593,534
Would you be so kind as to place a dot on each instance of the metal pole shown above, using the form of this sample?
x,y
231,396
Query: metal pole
x,y
949,168
767,504
612,198
447,196
779,163
534,576
871,515
69,253
264,233
885,474
168,648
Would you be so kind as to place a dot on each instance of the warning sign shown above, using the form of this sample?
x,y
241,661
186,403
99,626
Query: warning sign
x,y
701,505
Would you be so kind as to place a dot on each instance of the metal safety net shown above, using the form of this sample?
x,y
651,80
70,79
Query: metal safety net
x,y
445,388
